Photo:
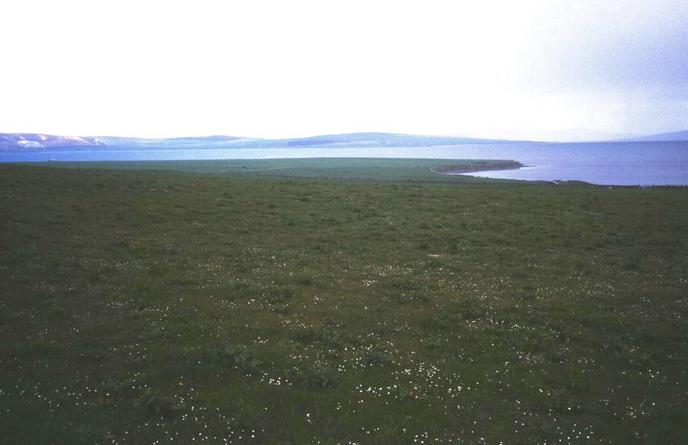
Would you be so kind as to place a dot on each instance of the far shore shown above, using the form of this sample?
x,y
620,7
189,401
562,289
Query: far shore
x,y
477,166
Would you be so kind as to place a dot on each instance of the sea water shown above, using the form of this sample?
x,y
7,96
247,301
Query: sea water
x,y
607,163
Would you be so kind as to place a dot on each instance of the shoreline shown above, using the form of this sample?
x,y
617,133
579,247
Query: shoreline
x,y
477,166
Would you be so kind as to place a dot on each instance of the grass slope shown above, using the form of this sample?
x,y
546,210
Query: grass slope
x,y
149,307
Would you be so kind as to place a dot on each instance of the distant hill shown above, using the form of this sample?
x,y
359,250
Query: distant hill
x,y
35,141
383,139
115,141
25,141
29,141
664,137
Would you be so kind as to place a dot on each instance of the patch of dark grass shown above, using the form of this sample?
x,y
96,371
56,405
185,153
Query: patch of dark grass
x,y
315,377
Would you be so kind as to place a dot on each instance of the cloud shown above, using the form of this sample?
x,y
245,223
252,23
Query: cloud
x,y
614,45
275,68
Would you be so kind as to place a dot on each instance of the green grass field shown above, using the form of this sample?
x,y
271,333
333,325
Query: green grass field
x,y
365,169
221,304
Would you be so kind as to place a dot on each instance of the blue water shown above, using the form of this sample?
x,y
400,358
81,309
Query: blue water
x,y
620,163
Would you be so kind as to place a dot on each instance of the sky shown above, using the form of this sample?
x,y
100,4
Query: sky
x,y
547,69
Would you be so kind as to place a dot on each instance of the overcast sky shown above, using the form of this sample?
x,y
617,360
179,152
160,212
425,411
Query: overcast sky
x,y
290,68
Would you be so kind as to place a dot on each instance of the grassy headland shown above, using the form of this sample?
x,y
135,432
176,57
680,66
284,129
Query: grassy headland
x,y
375,169
146,307
467,167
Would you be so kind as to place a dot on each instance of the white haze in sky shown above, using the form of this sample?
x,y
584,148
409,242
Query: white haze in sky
x,y
528,68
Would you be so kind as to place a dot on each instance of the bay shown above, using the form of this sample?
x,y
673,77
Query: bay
x,y
605,163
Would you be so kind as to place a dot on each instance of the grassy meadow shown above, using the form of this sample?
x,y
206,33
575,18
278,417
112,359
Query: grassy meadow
x,y
226,302
357,169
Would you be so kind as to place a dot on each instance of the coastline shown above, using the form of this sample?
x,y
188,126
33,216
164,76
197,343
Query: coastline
x,y
477,166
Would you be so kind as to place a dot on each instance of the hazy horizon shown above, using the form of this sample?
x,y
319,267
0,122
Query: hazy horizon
x,y
541,70
560,136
